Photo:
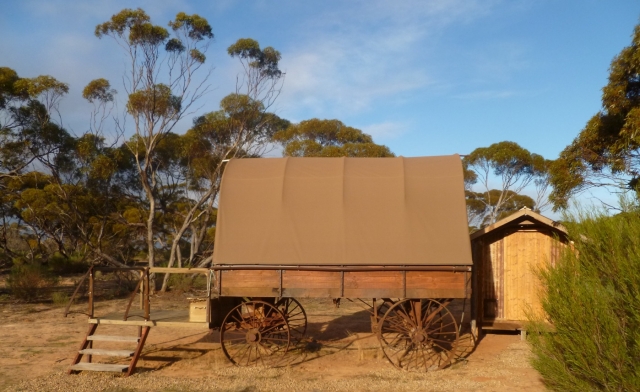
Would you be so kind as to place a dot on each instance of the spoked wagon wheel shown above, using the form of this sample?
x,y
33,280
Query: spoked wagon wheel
x,y
419,335
296,317
255,333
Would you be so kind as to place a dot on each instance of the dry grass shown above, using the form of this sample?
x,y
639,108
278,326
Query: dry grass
x,y
339,354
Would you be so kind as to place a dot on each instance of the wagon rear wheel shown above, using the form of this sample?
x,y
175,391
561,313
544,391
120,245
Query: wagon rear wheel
x,y
419,335
255,333
296,317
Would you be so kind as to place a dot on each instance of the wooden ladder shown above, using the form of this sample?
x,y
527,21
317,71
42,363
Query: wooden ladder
x,y
87,349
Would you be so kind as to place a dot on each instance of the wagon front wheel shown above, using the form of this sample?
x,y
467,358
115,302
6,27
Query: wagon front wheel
x,y
255,333
418,335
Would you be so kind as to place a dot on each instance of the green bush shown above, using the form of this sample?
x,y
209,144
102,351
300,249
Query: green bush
x,y
30,281
592,299
74,264
60,299
180,282
187,282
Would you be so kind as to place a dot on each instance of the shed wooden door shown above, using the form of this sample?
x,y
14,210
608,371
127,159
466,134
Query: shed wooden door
x,y
524,251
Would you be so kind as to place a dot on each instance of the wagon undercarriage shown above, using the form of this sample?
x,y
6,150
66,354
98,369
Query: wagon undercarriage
x,y
414,334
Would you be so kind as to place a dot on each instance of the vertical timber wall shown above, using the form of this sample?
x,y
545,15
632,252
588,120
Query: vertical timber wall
x,y
505,261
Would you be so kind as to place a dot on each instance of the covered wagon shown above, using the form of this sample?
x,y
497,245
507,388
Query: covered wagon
x,y
389,232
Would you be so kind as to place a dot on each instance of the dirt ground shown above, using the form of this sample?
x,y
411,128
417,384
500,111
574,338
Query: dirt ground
x,y
37,345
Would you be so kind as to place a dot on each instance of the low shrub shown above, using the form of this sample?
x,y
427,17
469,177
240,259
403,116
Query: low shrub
x,y
187,282
59,299
114,285
180,282
30,281
592,299
60,264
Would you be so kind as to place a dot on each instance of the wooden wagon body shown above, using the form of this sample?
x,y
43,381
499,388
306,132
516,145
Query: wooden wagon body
x,y
345,281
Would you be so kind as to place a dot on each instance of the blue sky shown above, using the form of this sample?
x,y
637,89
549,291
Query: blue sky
x,y
425,77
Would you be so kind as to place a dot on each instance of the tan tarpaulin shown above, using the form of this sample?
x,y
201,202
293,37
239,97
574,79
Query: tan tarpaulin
x,y
343,211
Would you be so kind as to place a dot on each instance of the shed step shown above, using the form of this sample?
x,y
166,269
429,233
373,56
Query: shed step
x,y
113,338
111,353
99,367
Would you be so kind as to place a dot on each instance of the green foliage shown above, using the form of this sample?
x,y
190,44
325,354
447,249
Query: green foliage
x,y
98,90
116,203
59,299
482,205
197,56
605,152
8,90
265,61
592,298
174,45
74,264
30,281
156,102
196,27
41,85
137,23
328,138
180,283
507,159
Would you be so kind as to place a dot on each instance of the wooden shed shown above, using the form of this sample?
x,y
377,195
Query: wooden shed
x,y
505,255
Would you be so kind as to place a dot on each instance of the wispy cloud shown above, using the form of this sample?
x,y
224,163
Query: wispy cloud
x,y
384,131
350,59
487,94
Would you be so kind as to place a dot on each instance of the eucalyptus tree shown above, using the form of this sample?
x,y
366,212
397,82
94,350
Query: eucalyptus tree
x,y
516,169
606,153
80,179
30,135
161,87
328,138
243,127
480,205
26,109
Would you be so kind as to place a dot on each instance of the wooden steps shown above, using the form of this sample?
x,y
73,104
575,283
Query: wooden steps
x,y
107,353
88,351
99,367
113,338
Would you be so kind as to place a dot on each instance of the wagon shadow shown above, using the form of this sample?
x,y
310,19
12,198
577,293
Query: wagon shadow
x,y
332,337
168,356
168,352
340,327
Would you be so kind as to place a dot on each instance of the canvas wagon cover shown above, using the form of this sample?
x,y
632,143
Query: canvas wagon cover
x,y
343,211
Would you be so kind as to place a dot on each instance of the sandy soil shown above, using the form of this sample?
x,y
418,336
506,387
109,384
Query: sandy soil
x,y
37,345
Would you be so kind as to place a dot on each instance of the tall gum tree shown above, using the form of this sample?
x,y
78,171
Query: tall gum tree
x,y
606,153
243,127
160,85
515,168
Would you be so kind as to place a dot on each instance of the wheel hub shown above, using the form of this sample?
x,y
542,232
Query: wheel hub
x,y
418,336
253,335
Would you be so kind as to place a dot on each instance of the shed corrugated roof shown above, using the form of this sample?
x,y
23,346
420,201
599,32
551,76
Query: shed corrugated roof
x,y
343,211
